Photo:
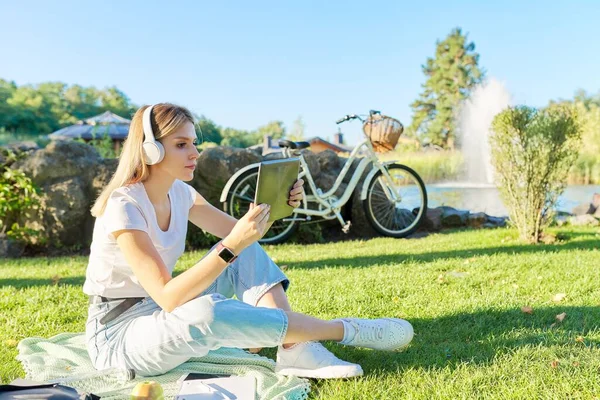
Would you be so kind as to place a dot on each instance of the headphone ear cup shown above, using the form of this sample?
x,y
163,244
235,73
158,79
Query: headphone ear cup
x,y
154,152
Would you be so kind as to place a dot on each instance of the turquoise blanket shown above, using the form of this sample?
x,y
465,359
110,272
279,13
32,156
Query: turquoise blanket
x,y
65,355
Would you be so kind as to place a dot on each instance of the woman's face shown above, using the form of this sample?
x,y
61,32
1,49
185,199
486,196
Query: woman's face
x,y
180,153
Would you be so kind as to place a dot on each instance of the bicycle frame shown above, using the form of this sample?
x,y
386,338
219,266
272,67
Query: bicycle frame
x,y
331,205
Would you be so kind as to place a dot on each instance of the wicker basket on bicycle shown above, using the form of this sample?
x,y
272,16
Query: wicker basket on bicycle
x,y
383,132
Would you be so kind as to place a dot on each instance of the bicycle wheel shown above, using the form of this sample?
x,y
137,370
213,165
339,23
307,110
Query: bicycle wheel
x,y
238,202
401,217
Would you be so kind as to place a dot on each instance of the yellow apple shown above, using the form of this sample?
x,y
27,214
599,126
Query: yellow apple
x,y
148,390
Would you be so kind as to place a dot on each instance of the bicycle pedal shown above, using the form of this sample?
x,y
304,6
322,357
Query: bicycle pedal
x,y
346,227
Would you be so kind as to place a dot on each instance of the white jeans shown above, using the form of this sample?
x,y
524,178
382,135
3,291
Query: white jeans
x,y
151,341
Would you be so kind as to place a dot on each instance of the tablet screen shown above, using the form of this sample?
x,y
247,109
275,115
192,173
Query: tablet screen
x,y
275,181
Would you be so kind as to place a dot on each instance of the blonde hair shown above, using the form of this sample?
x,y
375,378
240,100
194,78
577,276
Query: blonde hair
x,y
166,118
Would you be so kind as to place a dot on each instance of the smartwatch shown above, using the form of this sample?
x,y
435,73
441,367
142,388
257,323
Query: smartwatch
x,y
225,253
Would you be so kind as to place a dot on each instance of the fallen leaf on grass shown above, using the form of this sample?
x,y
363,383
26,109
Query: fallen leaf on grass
x,y
11,343
527,310
55,279
560,317
576,363
554,364
579,339
283,267
559,297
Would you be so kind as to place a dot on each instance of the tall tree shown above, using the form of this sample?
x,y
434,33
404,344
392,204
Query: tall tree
x,y
450,77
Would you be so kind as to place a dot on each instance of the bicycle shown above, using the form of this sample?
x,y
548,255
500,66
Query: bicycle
x,y
393,195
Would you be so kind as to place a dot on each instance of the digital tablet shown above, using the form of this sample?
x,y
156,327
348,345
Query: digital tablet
x,y
275,180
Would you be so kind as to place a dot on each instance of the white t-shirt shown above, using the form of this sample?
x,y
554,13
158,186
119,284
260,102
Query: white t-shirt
x,y
129,207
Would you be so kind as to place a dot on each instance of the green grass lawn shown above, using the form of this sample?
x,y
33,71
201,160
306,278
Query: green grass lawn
x,y
463,292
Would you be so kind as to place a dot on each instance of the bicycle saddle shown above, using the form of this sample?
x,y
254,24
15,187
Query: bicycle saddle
x,y
293,145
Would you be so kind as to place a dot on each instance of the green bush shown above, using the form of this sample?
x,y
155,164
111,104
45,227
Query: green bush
x,y
532,152
18,198
104,144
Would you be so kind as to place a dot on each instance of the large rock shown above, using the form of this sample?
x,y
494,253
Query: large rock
x,y
71,175
104,172
23,146
329,162
214,168
596,201
60,159
452,217
64,217
10,248
495,222
433,219
355,210
312,160
476,220
584,208
583,220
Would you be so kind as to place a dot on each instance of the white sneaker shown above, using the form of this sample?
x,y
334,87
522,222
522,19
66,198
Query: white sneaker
x,y
379,334
312,360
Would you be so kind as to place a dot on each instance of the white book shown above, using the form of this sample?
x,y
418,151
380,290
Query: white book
x,y
227,388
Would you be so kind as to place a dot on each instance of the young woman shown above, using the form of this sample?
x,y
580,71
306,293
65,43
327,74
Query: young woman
x,y
142,318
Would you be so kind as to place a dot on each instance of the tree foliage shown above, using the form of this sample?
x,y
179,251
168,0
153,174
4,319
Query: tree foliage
x,y
451,75
46,107
49,106
586,169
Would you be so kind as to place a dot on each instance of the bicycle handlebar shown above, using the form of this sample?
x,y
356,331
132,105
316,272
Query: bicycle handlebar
x,y
347,118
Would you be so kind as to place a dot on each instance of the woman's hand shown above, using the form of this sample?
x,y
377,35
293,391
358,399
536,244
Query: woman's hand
x,y
250,228
296,194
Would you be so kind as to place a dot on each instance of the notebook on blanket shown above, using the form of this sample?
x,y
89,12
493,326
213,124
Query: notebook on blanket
x,y
207,387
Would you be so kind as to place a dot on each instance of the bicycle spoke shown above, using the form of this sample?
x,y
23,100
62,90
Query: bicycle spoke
x,y
390,202
248,199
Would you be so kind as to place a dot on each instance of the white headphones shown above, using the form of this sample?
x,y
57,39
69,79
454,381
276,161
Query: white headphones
x,y
153,150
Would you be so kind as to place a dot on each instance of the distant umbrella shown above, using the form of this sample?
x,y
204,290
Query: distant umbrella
x,y
96,128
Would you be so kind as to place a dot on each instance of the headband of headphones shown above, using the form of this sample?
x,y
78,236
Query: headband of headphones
x,y
153,150
147,124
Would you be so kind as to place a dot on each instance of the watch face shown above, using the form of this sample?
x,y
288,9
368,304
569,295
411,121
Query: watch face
x,y
226,254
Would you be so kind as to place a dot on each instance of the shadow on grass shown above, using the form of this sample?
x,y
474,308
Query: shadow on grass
x,y
20,283
479,337
430,256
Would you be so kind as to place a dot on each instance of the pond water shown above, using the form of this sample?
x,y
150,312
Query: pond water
x,y
485,198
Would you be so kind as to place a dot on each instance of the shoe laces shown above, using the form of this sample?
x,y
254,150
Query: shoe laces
x,y
369,332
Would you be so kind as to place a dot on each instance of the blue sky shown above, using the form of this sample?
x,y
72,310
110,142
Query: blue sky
x,y
245,63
